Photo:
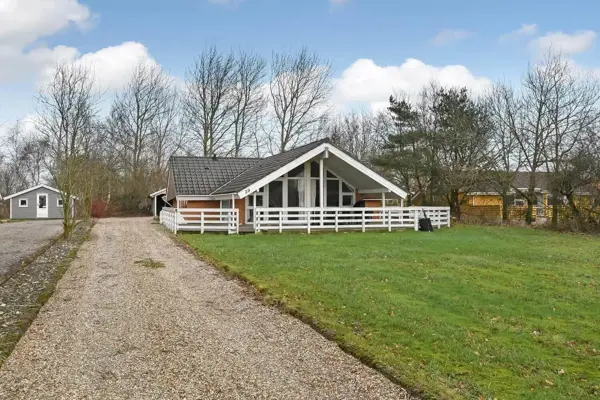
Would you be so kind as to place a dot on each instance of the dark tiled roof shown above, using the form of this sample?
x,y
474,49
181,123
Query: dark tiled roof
x,y
199,176
266,167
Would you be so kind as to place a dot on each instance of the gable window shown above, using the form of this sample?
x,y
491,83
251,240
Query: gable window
x,y
23,202
59,202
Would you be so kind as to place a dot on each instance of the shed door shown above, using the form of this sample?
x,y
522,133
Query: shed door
x,y
42,205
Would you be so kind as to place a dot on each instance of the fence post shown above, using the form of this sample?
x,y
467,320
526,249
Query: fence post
x,y
256,220
439,213
237,221
201,221
336,221
176,220
390,221
448,216
280,221
307,221
363,220
416,219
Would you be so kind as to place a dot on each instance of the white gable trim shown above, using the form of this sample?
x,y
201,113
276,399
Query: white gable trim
x,y
281,171
42,186
312,154
159,192
367,171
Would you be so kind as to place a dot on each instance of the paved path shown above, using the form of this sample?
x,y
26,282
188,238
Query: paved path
x,y
20,239
118,330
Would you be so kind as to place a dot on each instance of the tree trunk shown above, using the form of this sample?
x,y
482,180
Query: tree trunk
x,y
505,208
531,199
555,195
574,211
455,204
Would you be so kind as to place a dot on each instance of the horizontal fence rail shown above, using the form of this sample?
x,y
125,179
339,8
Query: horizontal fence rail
x,y
201,219
281,219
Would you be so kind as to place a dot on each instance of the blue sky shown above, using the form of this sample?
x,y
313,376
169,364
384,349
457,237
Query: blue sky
x,y
490,40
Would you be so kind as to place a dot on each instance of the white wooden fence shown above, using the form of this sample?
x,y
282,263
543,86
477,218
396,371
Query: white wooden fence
x,y
201,219
280,219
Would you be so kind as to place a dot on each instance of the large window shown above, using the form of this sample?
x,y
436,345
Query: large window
x,y
276,194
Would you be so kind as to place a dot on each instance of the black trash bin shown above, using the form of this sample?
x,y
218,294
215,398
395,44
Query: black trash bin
x,y
425,223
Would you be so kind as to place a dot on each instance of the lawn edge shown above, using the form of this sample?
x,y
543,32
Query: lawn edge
x,y
29,317
262,295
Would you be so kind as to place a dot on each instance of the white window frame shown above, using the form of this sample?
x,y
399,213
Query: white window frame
x,y
26,203
59,201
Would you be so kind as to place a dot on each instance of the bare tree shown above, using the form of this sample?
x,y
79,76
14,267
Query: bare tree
x,y
249,100
140,116
209,103
299,92
359,133
572,110
506,155
67,110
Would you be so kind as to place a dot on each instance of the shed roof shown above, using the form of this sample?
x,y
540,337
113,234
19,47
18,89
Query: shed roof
x,y
31,189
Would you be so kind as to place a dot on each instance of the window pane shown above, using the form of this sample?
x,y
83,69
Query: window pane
x,y
346,200
226,204
330,175
298,171
293,194
261,190
333,193
276,194
316,190
314,169
259,201
251,200
346,188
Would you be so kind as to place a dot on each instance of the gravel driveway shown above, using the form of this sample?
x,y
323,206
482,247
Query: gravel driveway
x,y
115,329
18,240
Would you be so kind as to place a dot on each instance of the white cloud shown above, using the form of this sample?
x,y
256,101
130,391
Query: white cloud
x,y
565,43
365,82
450,35
24,21
524,30
113,66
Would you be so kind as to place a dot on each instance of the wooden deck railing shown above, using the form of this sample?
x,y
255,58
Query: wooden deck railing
x,y
309,219
201,219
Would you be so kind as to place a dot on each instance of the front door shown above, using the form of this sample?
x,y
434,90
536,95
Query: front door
x,y
42,205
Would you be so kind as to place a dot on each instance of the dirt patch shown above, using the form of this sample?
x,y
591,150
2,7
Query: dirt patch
x,y
150,263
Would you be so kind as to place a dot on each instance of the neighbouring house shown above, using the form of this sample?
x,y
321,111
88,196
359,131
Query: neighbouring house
x,y
158,201
316,186
485,202
38,202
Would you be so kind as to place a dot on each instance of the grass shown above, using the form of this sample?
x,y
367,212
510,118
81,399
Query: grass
x,y
467,312
150,263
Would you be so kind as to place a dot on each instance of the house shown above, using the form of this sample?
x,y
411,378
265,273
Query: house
x,y
38,202
484,199
316,186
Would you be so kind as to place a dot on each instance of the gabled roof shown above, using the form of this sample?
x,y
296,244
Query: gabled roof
x,y
31,189
265,167
200,176
207,176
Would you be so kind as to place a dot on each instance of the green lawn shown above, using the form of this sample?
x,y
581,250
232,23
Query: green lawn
x,y
467,312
